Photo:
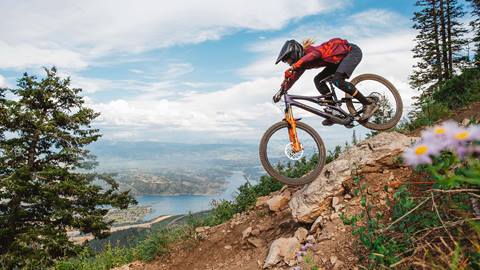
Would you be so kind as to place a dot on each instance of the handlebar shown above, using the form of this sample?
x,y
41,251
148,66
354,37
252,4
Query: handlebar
x,y
278,95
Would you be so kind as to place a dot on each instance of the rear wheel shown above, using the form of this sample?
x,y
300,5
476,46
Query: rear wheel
x,y
287,166
380,91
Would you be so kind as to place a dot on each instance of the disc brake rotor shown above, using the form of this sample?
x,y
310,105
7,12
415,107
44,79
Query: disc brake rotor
x,y
292,155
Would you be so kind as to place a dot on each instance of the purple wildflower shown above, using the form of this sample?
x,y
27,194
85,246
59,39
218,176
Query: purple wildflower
x,y
460,135
462,151
475,133
438,135
420,154
297,268
308,245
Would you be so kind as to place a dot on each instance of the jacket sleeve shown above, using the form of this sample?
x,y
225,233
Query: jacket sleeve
x,y
288,83
307,58
299,68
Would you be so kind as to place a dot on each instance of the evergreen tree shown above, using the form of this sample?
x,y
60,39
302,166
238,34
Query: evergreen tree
x,y
439,43
476,28
45,184
428,70
456,41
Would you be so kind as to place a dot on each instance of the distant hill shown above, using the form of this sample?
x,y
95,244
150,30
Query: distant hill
x,y
152,156
174,168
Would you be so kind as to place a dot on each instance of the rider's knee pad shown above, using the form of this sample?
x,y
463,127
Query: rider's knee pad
x,y
339,81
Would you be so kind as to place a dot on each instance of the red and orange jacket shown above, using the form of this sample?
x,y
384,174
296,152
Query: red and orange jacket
x,y
330,52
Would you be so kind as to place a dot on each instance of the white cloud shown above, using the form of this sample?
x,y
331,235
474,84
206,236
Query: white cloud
x,y
19,56
71,34
229,110
178,69
3,83
136,71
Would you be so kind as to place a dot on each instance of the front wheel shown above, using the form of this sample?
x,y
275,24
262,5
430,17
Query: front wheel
x,y
284,164
380,91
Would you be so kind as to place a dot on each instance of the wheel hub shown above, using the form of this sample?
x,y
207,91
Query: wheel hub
x,y
292,155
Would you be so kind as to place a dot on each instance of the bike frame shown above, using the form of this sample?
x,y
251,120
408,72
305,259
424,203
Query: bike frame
x,y
292,101
346,119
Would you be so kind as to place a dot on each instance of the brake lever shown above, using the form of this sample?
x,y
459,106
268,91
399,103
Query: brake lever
x,y
278,95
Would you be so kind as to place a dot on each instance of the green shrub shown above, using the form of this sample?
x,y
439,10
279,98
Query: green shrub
x,y
460,90
449,97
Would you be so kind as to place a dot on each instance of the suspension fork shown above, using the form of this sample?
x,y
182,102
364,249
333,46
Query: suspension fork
x,y
292,130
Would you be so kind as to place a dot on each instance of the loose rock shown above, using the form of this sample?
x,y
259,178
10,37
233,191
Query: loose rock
x,y
257,242
301,234
278,202
262,200
317,224
202,229
282,248
246,233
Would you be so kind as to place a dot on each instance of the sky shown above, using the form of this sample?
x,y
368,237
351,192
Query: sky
x,y
196,71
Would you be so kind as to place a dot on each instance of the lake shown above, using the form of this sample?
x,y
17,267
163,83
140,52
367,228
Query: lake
x,y
182,204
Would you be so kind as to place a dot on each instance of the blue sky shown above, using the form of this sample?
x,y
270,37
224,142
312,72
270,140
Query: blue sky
x,y
195,71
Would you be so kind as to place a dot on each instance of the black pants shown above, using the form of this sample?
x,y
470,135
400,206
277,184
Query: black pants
x,y
342,71
322,87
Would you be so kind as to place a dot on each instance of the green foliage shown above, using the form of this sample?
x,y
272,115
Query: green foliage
x,y
109,258
309,261
437,228
45,187
449,97
427,115
155,244
459,91
332,155
382,249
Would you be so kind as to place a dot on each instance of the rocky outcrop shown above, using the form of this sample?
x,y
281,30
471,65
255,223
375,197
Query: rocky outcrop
x,y
307,203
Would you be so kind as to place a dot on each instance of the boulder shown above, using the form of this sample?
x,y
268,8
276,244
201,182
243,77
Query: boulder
x,y
282,248
308,202
278,202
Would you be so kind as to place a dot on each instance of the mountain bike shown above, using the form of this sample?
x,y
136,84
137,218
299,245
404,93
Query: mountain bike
x,y
293,152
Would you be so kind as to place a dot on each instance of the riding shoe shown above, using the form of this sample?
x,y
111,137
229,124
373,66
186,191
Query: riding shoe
x,y
369,110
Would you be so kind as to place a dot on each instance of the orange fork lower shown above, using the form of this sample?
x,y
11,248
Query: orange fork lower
x,y
292,131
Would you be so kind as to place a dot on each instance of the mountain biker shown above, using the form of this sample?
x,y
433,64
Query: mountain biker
x,y
338,57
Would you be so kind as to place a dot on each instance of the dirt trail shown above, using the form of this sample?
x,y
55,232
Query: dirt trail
x,y
223,246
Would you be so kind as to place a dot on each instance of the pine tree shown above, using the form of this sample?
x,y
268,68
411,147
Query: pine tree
x,y
456,41
476,28
45,184
428,70
439,43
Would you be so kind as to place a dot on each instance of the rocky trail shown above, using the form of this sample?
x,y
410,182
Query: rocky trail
x,y
270,235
